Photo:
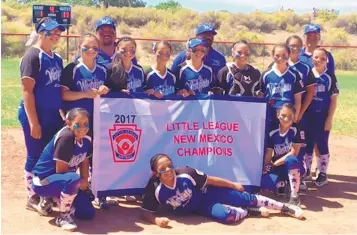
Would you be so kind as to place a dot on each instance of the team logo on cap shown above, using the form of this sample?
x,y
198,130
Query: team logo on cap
x,y
125,142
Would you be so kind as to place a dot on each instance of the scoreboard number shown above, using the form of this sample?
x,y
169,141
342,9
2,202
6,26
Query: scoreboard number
x,y
62,14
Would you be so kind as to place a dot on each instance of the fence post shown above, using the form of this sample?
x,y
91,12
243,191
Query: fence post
x,y
67,44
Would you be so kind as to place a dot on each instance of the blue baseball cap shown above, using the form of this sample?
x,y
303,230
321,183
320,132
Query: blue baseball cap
x,y
105,21
206,28
312,28
197,41
48,25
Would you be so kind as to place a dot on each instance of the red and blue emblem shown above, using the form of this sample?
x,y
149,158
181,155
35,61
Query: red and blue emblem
x,y
125,142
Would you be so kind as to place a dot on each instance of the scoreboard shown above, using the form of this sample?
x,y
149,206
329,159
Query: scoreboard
x,y
62,14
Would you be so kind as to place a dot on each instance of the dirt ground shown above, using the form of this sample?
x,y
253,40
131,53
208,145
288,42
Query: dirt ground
x,y
331,209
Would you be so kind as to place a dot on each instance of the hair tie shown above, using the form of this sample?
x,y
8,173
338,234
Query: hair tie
x,y
153,46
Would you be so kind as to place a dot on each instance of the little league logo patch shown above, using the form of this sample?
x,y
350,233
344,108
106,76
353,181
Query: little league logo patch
x,y
125,142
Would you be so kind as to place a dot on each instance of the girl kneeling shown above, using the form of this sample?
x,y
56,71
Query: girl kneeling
x,y
55,172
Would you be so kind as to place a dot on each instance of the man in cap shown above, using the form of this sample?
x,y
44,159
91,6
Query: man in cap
x,y
106,33
213,58
312,38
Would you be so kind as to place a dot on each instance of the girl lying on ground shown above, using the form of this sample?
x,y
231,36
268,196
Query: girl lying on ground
x,y
185,190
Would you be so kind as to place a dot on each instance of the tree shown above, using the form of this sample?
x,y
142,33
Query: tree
x,y
169,5
123,3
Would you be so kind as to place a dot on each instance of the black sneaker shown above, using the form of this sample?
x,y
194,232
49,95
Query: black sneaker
x,y
321,180
102,203
293,211
32,203
258,211
303,185
294,200
45,206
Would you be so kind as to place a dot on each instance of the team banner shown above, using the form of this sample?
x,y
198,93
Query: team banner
x,y
221,136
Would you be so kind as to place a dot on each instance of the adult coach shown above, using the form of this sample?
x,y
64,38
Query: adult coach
x,y
106,33
312,37
39,115
213,58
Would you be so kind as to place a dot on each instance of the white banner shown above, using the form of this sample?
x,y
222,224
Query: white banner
x,y
222,138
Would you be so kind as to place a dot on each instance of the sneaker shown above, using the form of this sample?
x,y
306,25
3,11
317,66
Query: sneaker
x,y
321,180
303,185
130,198
45,206
293,211
258,211
294,200
32,203
102,203
307,176
65,221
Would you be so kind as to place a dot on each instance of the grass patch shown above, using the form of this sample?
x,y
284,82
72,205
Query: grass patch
x,y
345,121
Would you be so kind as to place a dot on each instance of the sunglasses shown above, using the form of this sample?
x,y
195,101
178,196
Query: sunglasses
x,y
281,57
76,126
131,52
86,48
285,118
168,168
238,55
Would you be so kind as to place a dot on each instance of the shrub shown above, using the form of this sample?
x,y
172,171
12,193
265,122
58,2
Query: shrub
x,y
337,36
123,29
345,59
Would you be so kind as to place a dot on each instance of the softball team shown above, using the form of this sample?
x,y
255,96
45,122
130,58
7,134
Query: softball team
x,y
300,88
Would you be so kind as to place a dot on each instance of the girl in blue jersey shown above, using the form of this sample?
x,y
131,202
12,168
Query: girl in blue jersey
x,y
83,80
281,84
159,80
55,172
320,115
281,163
239,77
295,44
39,115
194,77
134,73
185,190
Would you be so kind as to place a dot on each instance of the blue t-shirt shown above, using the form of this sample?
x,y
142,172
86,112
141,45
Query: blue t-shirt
x,y
183,197
135,77
280,88
200,81
307,59
46,71
213,59
281,143
164,84
78,77
326,86
65,148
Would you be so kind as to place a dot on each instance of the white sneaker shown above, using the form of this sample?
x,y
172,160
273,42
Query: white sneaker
x,y
130,198
66,222
293,211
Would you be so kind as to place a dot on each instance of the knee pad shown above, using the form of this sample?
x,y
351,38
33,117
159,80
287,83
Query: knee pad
x,y
83,206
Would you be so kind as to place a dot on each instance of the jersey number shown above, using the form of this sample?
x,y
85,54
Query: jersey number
x,y
124,119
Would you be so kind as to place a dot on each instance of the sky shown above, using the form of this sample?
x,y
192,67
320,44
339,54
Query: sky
x,y
300,6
